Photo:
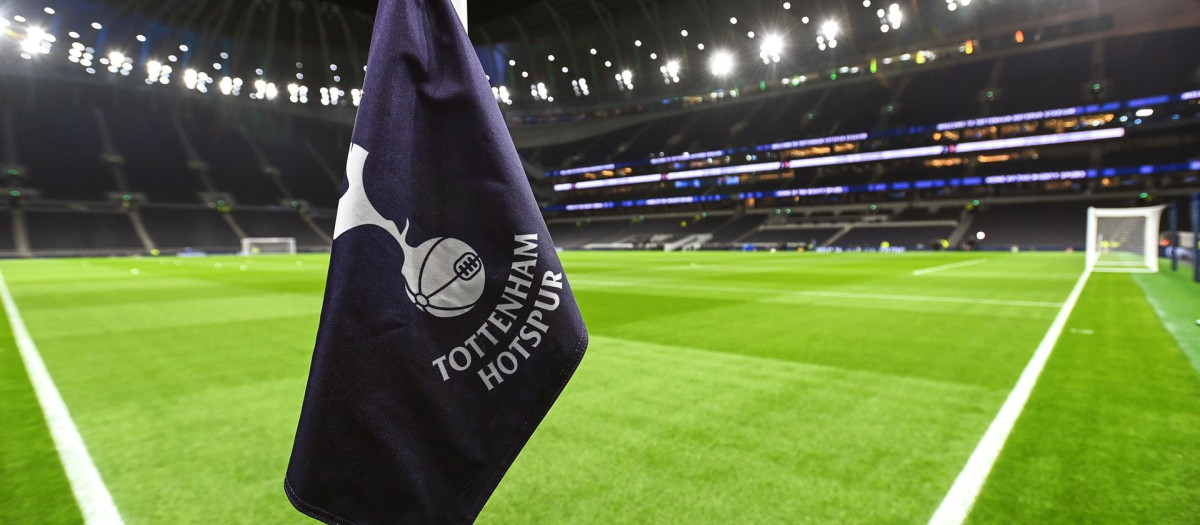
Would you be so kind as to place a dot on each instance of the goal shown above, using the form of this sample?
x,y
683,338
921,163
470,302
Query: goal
x,y
268,245
1123,239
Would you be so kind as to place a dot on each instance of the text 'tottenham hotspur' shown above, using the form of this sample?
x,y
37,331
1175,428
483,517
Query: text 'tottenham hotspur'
x,y
506,339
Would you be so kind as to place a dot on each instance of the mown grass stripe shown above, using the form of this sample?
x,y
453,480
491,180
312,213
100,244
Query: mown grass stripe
x,y
958,501
91,494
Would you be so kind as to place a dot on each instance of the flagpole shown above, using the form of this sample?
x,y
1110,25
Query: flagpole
x,y
1173,221
461,7
1195,247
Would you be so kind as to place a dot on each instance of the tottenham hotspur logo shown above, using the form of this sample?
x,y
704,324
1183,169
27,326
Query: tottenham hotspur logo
x,y
443,276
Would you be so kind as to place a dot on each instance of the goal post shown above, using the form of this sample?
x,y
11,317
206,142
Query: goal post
x,y
1123,239
268,245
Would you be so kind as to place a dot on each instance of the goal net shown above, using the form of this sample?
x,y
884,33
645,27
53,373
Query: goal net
x,y
1123,239
268,245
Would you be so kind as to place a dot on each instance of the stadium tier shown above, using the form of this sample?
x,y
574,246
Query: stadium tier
x,y
1063,115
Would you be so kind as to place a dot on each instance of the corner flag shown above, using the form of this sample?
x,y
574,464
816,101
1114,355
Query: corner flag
x,y
448,327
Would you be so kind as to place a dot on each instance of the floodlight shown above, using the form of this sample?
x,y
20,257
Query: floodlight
x,y
673,68
830,29
721,63
771,48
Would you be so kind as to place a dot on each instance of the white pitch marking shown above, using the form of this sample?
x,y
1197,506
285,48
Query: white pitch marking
x,y
950,266
820,293
933,299
958,501
94,500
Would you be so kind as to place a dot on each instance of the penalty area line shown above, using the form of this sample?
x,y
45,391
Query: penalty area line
x,y
93,497
950,266
956,506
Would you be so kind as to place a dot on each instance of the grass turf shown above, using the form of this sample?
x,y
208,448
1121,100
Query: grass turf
x,y
33,486
719,387
1111,434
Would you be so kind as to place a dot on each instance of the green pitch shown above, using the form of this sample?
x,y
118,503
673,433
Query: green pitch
x,y
719,388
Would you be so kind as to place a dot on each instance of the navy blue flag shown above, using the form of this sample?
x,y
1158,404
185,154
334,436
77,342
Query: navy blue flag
x,y
448,328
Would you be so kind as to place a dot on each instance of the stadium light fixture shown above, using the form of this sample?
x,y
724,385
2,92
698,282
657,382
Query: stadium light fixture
x,y
592,51
550,58
48,10
625,80
831,29
804,20
607,63
749,34
36,42
771,48
653,56
71,34
827,35
787,6
565,70
512,62
733,20
700,46
524,74
637,43
894,16
683,33
95,25
721,63
670,72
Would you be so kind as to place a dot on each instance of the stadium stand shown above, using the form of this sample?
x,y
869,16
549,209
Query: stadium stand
x,y
59,232
197,171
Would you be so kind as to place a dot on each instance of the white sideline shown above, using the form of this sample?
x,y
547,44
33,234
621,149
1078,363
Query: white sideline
x,y
95,502
956,506
963,264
